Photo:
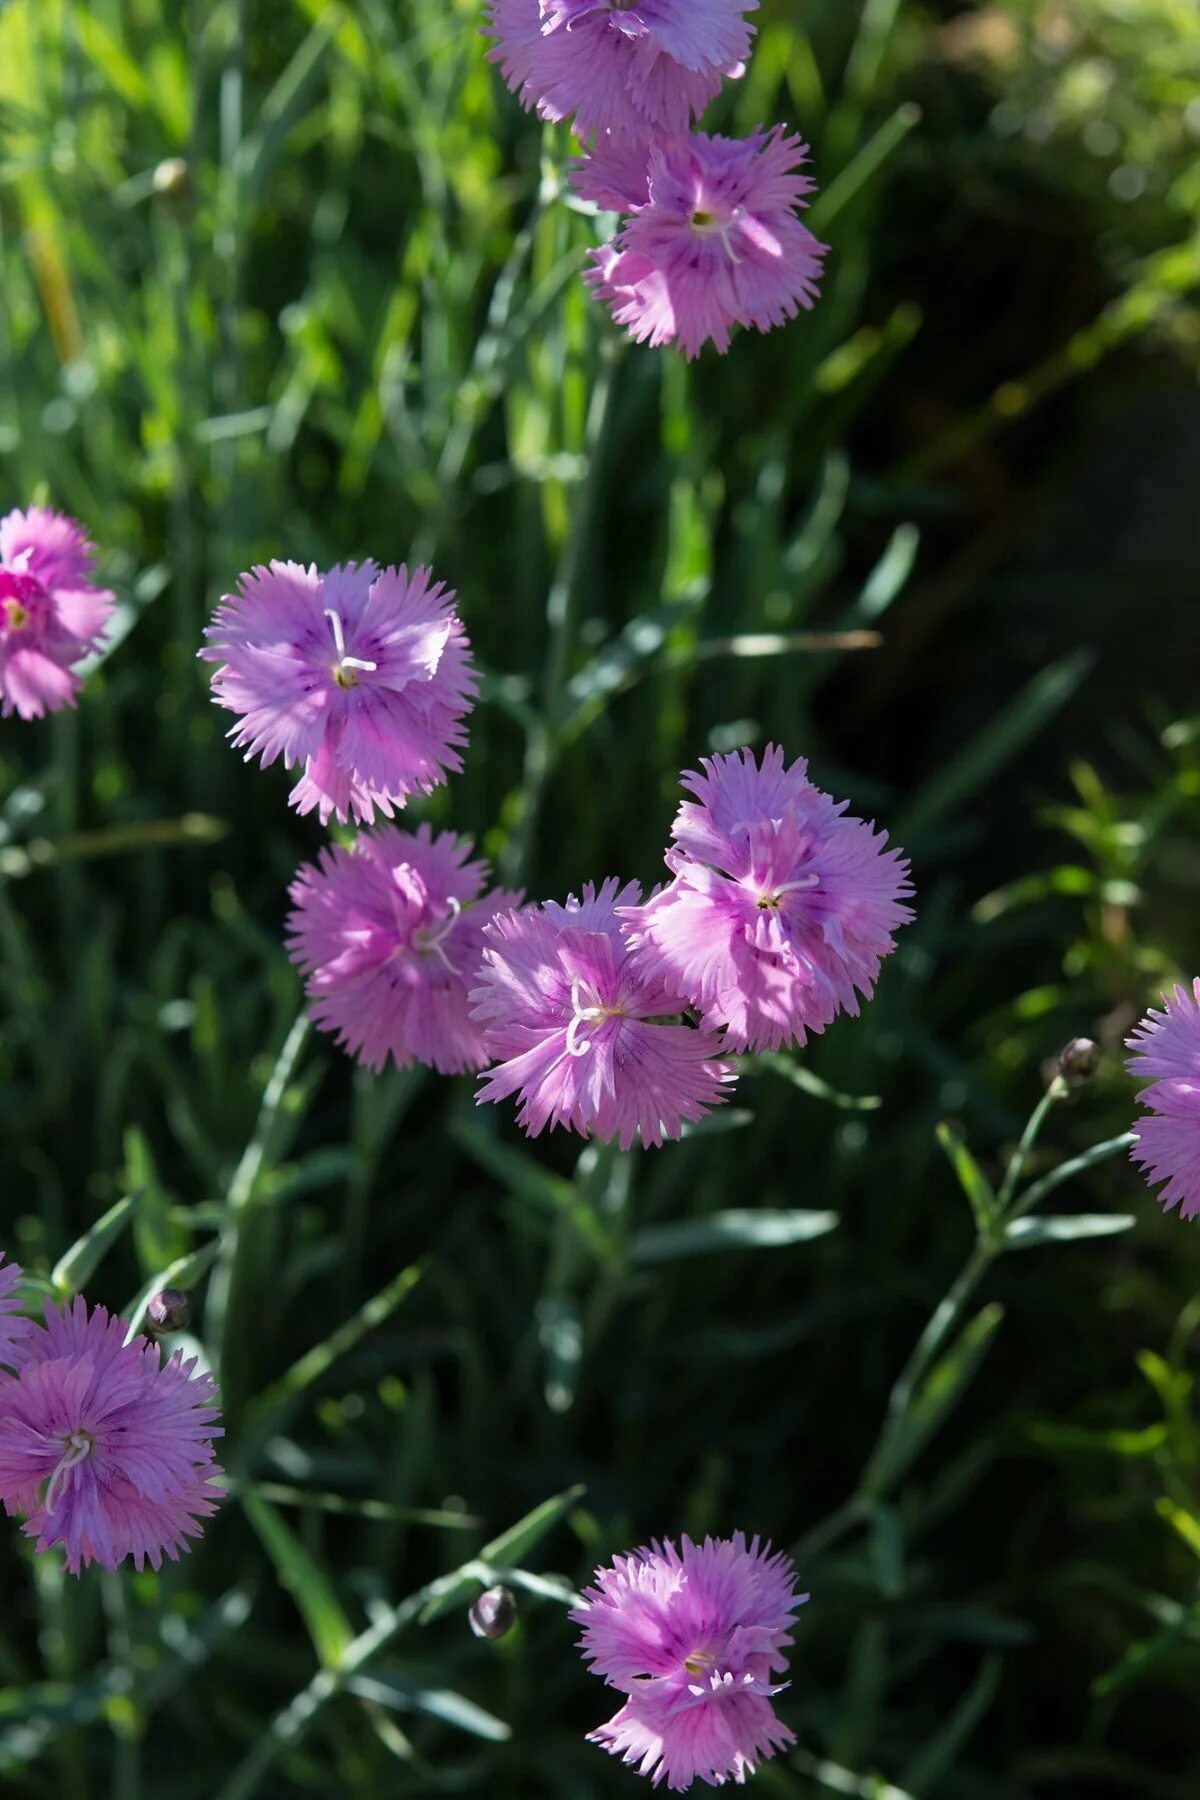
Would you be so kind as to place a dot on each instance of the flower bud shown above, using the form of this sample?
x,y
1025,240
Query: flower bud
x,y
1078,1061
494,1613
169,1310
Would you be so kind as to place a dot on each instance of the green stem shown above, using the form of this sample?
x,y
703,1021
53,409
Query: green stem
x,y
1056,1091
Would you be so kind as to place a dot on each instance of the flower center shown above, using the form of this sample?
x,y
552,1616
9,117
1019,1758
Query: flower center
x,y
428,939
700,1662
19,595
706,223
587,1008
769,899
77,1447
346,668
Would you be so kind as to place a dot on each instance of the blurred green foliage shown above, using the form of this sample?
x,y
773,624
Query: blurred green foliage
x,y
298,277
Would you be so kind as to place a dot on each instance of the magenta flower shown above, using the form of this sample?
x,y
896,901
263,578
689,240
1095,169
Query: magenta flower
x,y
692,1640
389,936
103,1450
14,1327
361,674
580,1034
51,613
623,65
781,909
1167,1046
713,239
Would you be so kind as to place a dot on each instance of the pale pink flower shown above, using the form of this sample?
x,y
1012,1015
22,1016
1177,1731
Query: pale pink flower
x,y
627,65
389,936
713,238
585,1039
361,674
782,907
103,1450
693,1640
52,614
1167,1046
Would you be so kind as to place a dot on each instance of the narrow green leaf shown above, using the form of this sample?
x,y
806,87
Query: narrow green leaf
x,y
1027,1234
512,1546
315,1362
73,1270
302,1576
971,1178
992,749
799,1076
933,1402
751,1228
439,1703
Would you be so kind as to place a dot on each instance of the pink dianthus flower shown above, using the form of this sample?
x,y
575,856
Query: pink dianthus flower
x,y
103,1450
781,909
624,65
389,936
1167,1046
693,1641
14,1327
713,239
362,674
581,1034
52,614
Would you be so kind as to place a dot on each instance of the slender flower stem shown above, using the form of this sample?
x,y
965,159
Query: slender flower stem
x,y
948,1312
1056,1091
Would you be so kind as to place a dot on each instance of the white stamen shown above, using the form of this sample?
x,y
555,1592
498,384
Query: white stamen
x,y
80,1448
433,937
339,644
801,882
591,1014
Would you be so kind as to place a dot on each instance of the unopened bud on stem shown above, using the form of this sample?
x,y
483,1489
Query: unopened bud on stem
x,y
1078,1061
494,1613
169,1310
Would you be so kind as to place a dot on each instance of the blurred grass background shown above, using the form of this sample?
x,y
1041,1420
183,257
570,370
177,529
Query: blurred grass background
x,y
293,277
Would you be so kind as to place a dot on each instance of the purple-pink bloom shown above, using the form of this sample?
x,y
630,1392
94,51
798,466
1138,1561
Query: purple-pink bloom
x,y
582,1035
103,1450
782,907
362,674
14,1327
621,65
692,1640
1167,1140
389,936
52,614
713,238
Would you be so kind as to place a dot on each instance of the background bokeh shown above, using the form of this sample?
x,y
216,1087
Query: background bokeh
x,y
297,277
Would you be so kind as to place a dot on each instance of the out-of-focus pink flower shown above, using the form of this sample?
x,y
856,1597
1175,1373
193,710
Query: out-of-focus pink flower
x,y
52,614
692,1640
1167,1050
102,1449
362,674
781,909
580,1034
713,240
14,1327
389,936
624,65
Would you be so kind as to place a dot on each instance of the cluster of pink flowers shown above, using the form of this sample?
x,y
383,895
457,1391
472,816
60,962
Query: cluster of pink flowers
x,y
104,1448
710,234
52,614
